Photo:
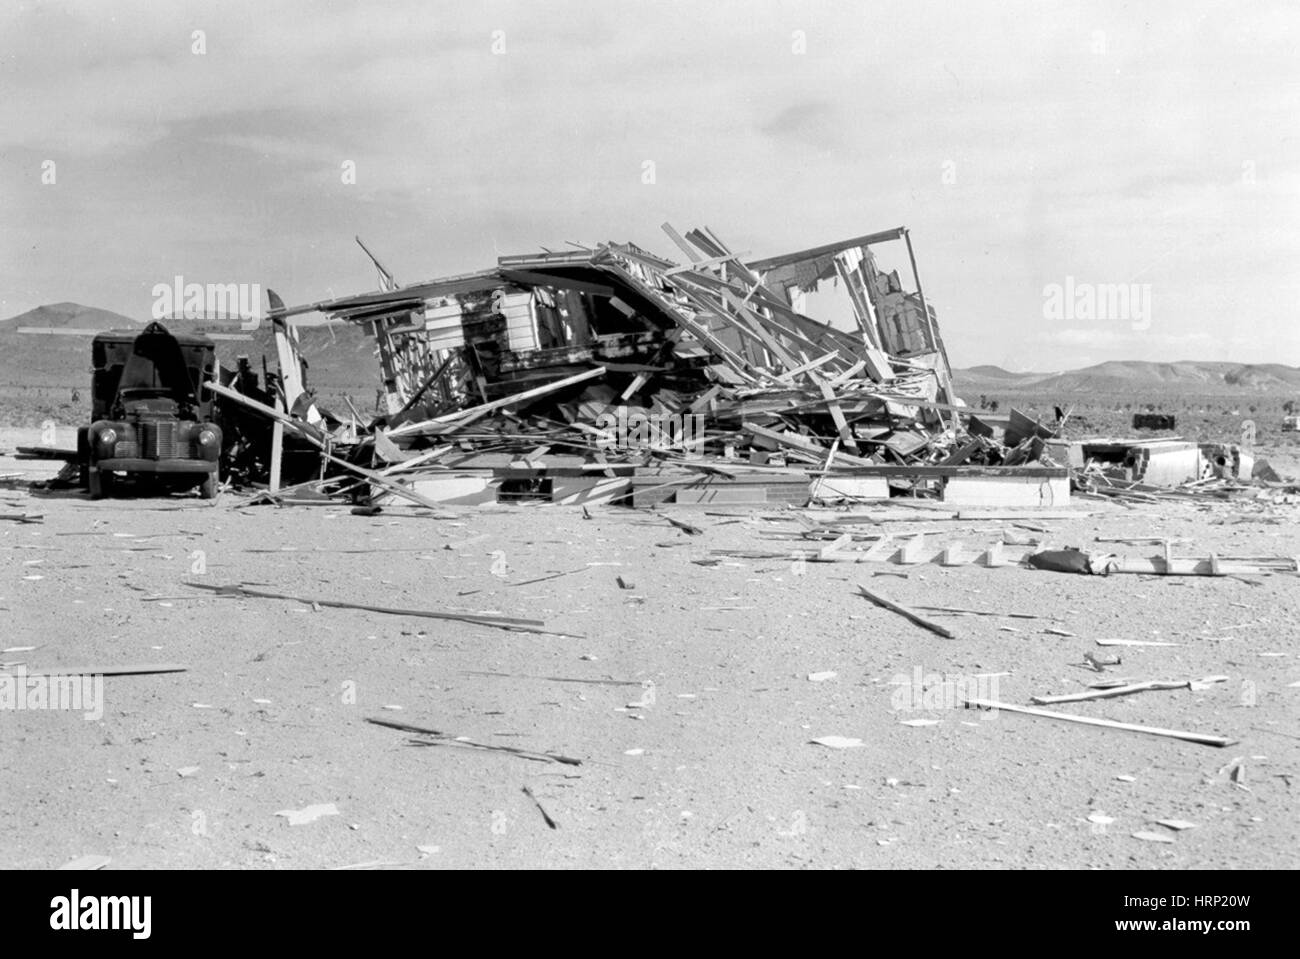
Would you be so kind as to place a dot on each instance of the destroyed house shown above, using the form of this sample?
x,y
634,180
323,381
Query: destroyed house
x,y
538,318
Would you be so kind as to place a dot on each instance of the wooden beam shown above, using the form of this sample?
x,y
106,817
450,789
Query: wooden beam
x,y
137,670
906,613
371,475
1126,690
837,414
475,411
1202,738
801,443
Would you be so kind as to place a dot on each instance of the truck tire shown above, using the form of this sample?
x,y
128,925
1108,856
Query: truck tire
x,y
208,488
99,483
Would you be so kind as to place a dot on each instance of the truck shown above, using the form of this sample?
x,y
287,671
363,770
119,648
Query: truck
x,y
152,420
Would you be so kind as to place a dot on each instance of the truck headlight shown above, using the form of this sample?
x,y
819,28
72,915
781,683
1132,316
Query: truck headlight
x,y
208,441
107,437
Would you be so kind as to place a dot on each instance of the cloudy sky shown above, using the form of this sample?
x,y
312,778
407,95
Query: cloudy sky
x,y
1026,144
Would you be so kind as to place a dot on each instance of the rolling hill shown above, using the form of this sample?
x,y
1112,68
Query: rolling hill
x,y
68,316
1133,376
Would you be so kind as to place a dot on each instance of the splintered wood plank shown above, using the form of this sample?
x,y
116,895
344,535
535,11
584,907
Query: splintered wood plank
x,y
475,411
906,613
802,444
1202,738
837,414
142,669
638,381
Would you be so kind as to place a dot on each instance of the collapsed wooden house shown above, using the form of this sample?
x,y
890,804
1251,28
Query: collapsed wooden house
x,y
508,379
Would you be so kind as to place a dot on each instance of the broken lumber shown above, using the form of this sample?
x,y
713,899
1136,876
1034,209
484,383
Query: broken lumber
x,y
439,737
906,613
484,619
1132,642
1124,690
293,424
144,669
1202,738
802,444
476,411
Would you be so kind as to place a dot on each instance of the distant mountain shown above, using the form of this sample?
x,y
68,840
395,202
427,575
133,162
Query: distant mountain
x,y
997,372
992,378
71,316
1133,376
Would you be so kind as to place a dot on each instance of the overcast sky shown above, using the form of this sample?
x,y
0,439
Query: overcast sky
x,y
1022,143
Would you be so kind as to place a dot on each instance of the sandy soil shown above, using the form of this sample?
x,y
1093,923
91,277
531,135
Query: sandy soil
x,y
716,769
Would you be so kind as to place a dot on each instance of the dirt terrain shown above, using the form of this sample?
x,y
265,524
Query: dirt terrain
x,y
702,757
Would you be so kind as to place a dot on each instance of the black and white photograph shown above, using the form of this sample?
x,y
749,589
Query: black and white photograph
x,y
771,436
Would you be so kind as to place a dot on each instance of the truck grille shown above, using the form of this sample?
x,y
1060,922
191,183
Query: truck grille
x,y
157,440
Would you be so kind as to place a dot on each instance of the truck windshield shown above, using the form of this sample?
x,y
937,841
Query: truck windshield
x,y
142,377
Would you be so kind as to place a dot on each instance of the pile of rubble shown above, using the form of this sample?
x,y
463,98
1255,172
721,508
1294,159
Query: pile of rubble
x,y
607,373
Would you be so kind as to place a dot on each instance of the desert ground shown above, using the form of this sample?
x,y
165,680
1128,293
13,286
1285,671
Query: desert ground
x,y
686,696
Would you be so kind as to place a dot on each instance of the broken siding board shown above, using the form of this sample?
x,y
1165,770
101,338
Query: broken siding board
x,y
699,491
443,326
463,489
849,487
1025,491
520,319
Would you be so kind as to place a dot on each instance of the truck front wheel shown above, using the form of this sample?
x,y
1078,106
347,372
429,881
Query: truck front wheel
x,y
99,483
208,489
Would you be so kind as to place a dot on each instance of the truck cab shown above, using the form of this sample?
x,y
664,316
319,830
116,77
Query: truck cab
x,y
152,421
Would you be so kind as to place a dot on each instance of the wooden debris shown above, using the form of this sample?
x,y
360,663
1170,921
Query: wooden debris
x,y
1202,738
480,619
557,679
434,737
128,670
906,613
1147,836
309,814
545,815
1132,642
1127,690
376,478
